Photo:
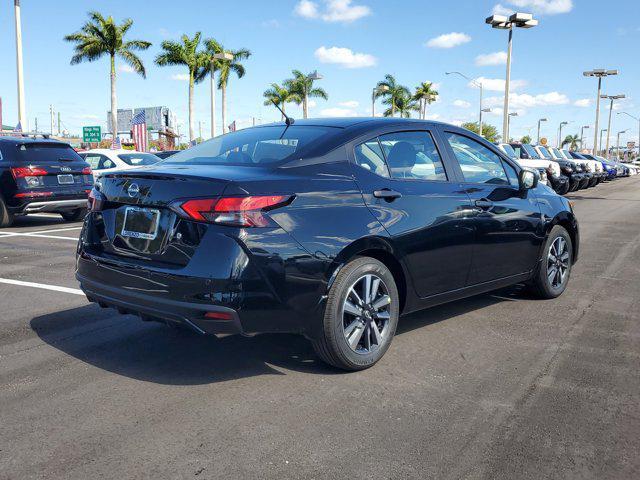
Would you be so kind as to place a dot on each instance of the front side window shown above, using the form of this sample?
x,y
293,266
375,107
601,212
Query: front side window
x,y
413,155
477,162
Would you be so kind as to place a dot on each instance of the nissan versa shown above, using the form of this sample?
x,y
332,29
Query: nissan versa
x,y
327,228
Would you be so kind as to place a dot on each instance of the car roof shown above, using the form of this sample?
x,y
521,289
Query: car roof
x,y
347,122
108,150
28,140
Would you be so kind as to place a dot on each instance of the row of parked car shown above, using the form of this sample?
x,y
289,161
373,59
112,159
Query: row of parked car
x,y
565,170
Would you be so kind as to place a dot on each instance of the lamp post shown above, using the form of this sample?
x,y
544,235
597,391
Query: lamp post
x,y
380,89
635,118
601,132
312,76
582,135
539,121
517,20
22,115
216,56
480,86
512,114
562,124
618,145
612,98
599,73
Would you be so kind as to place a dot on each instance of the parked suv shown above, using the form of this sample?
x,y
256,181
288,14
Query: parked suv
x,y
42,175
330,228
540,166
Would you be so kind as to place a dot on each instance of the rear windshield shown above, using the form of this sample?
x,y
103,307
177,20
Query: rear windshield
x,y
545,153
138,159
35,153
253,146
530,151
508,149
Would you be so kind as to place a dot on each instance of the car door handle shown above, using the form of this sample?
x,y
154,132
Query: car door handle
x,y
387,194
484,204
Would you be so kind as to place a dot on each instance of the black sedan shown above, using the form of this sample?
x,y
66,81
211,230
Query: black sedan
x,y
327,228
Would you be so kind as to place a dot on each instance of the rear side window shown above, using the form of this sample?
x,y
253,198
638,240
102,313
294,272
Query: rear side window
x,y
508,149
370,157
477,162
531,151
35,153
138,159
413,155
99,162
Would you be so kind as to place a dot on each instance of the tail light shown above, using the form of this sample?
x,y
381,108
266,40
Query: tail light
x,y
86,171
234,211
22,172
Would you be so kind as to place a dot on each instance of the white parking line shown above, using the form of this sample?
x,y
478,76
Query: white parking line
x,y
33,235
43,286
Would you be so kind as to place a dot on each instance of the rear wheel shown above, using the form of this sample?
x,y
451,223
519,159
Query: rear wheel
x,y
74,215
360,317
6,217
554,271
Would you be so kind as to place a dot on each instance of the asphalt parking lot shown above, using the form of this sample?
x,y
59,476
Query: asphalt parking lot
x,y
496,386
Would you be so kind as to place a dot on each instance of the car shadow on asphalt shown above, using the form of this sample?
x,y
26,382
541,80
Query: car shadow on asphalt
x,y
153,352
27,221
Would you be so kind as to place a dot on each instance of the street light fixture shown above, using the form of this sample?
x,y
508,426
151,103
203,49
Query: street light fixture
x,y
216,56
313,76
612,98
618,144
638,120
601,132
22,115
562,124
599,73
539,121
380,89
502,22
512,114
476,84
582,135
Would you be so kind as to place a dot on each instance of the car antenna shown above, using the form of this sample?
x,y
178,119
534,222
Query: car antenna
x,y
288,120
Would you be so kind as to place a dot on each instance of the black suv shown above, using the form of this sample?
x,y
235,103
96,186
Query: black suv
x,y
42,175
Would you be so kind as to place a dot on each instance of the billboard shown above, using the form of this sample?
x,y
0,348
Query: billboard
x,y
159,119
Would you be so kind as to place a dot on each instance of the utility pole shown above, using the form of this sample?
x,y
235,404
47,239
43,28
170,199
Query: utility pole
x,y
200,129
36,124
58,123
22,115
599,73
51,115
611,98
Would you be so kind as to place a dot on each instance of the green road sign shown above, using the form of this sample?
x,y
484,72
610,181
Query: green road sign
x,y
91,134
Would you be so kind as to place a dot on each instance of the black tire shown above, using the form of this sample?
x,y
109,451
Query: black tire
x,y
544,286
74,215
332,346
6,217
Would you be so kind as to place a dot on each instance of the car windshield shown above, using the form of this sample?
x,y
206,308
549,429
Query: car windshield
x,y
556,153
138,159
530,151
508,149
566,154
545,153
46,152
251,147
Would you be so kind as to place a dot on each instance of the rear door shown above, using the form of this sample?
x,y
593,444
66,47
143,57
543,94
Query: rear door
x,y
507,222
409,189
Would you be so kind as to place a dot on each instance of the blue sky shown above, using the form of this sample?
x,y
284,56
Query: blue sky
x,y
353,44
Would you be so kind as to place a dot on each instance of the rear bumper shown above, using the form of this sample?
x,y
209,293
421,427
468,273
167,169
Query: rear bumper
x,y
34,205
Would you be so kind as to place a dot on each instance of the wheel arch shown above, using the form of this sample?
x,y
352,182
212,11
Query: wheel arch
x,y
568,221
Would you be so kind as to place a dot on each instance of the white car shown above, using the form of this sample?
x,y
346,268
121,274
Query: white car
x,y
540,165
103,160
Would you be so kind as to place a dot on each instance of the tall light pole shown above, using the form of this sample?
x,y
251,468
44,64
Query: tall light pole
x,y
516,20
582,135
562,124
22,114
478,84
601,132
611,98
512,114
381,88
312,76
618,145
214,57
638,120
539,121
599,73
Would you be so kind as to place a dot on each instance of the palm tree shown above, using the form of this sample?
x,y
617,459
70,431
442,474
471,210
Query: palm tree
x,y
301,85
403,104
391,91
186,53
425,94
572,141
280,96
102,36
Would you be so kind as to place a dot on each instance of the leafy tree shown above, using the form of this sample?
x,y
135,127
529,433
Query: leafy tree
x,y
280,96
390,91
404,105
101,36
186,53
572,141
302,87
425,95
488,131
525,139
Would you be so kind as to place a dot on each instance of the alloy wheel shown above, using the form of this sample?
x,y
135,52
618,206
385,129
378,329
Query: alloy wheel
x,y
365,314
558,262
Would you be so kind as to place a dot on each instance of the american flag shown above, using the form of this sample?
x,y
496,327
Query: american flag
x,y
139,129
116,144
18,128
232,127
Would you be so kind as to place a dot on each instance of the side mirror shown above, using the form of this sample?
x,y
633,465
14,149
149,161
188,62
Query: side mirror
x,y
528,179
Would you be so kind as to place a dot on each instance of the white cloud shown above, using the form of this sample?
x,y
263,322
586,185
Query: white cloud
x,y
541,7
432,116
350,104
334,11
524,100
338,112
449,40
461,104
583,102
500,9
497,84
180,77
312,104
345,57
124,68
496,58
